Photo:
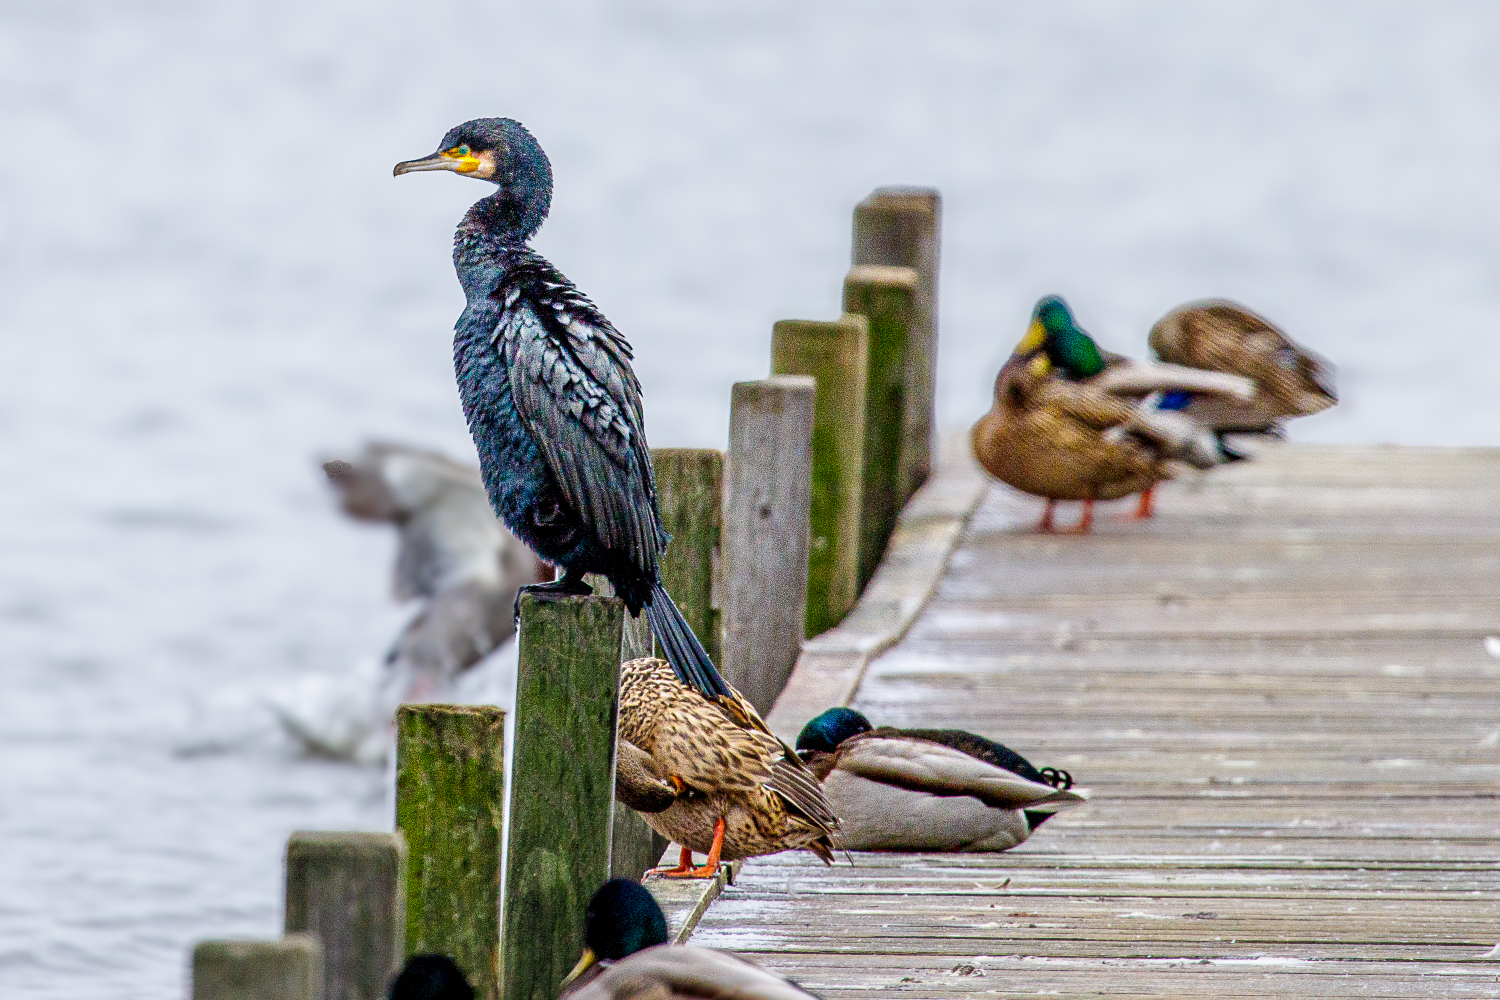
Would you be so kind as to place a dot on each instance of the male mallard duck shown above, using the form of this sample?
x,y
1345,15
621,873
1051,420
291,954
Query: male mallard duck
x,y
928,789
626,957
735,792
1223,336
430,977
1070,422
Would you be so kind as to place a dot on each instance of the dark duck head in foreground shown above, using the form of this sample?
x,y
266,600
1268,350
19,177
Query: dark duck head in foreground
x,y
626,957
554,407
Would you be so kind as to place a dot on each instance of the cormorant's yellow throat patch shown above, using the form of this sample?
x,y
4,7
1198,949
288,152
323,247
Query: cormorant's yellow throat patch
x,y
467,163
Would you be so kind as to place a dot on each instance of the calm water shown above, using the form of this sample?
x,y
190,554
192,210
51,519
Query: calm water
x,y
208,279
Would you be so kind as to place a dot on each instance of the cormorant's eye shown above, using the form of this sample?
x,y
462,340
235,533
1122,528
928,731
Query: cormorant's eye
x,y
463,150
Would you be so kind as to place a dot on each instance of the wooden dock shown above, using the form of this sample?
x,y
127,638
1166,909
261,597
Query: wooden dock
x,y
1280,696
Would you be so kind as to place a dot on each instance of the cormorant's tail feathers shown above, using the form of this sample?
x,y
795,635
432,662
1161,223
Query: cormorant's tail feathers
x,y
689,660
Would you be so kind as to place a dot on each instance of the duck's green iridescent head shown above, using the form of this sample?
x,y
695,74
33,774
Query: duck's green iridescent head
x,y
1056,342
825,732
622,919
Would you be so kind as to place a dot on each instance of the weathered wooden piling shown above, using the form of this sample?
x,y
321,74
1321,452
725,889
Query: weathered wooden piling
x,y
836,355
348,889
288,969
767,506
450,807
886,297
690,491
901,227
567,683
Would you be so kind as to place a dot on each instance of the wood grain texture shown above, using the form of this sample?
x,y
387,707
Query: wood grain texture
x,y
836,355
902,227
886,298
765,538
450,809
1279,695
291,968
348,889
567,683
690,493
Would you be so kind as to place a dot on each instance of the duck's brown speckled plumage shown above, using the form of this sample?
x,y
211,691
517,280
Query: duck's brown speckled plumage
x,y
1045,435
768,799
1224,336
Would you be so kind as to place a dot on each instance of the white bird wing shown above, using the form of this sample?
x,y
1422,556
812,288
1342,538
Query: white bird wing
x,y
1140,378
923,766
689,970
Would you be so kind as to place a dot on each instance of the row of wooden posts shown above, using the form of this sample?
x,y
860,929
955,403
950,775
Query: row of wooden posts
x,y
771,543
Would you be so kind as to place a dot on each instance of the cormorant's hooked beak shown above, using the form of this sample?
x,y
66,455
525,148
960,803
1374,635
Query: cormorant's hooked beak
x,y
467,164
588,959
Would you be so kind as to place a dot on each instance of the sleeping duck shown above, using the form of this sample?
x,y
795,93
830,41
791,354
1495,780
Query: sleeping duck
x,y
1072,422
928,789
1223,336
626,957
710,784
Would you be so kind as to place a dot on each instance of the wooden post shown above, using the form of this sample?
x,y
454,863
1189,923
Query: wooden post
x,y
885,296
289,969
836,355
562,772
901,227
348,890
690,491
766,535
450,806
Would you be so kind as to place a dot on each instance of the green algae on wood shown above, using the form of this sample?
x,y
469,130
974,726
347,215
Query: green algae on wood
x,y
288,969
885,296
835,354
690,492
450,806
567,681
348,890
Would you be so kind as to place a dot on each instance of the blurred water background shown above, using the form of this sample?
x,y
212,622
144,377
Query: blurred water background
x,y
209,279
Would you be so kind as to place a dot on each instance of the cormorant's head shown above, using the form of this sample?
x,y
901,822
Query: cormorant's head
x,y
622,919
431,977
502,152
825,732
1053,340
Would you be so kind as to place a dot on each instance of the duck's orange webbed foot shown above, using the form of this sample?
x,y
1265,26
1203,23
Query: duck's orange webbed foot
x,y
1085,523
710,867
684,867
1146,509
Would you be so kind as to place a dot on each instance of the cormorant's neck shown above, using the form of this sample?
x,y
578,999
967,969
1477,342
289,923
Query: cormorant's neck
x,y
501,218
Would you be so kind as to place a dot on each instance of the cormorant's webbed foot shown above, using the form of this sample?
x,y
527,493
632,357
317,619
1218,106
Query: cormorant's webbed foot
x,y
569,584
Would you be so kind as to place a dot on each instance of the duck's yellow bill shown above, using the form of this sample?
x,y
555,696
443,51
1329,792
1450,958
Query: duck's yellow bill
x,y
1036,336
1040,366
587,959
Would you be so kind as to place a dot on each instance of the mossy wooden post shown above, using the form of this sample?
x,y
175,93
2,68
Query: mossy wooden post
x,y
562,773
289,969
690,492
885,296
901,227
450,807
348,889
835,354
767,500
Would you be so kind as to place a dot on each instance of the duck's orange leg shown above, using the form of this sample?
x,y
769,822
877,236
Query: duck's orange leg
x,y
1045,526
711,866
1086,522
1146,510
684,866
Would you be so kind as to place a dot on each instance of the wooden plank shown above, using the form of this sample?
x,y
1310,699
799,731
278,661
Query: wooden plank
x,y
290,968
690,492
836,355
767,508
557,854
450,809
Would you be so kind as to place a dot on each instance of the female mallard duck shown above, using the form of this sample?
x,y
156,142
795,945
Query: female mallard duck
x,y
928,789
1070,422
709,784
1223,336
626,957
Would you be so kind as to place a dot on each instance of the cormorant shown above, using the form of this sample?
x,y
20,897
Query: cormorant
x,y
551,400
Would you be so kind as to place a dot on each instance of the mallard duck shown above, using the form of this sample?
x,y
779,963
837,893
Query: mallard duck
x,y
928,789
1070,422
735,792
430,977
1224,336
626,957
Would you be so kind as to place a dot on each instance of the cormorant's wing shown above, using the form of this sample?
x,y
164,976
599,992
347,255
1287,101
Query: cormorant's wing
x,y
573,387
688,971
923,766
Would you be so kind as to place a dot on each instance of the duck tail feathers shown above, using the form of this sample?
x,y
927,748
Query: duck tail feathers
x,y
689,660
